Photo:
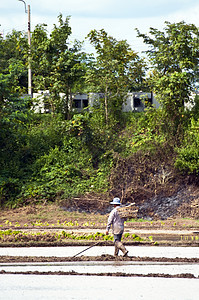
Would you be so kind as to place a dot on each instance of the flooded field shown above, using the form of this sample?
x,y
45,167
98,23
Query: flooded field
x,y
40,287
149,273
151,251
93,267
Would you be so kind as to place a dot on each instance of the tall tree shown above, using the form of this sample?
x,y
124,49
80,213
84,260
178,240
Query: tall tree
x,y
116,70
174,56
13,70
57,67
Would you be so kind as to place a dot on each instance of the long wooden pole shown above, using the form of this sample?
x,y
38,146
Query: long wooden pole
x,y
87,248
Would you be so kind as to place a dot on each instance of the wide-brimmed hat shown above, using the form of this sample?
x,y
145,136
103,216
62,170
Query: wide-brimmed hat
x,y
116,201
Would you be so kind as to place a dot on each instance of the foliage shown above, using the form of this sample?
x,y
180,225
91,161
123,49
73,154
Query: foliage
x,y
116,70
13,69
188,154
174,57
60,159
57,67
14,123
143,131
20,236
67,169
194,111
64,154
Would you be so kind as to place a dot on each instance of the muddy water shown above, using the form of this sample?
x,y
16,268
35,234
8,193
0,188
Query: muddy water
x,y
31,287
21,287
152,251
105,267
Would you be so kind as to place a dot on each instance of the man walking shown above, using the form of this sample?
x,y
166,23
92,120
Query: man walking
x,y
117,227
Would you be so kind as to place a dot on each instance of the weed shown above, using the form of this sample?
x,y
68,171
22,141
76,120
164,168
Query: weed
x,y
136,237
126,235
8,232
151,238
137,220
108,238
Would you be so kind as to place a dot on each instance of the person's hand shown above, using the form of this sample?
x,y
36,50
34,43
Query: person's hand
x,y
106,232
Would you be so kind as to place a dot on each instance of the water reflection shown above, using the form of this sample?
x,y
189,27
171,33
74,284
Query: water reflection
x,y
104,267
152,251
31,287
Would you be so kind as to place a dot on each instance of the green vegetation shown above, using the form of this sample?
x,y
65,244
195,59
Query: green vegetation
x,y
61,155
20,236
137,220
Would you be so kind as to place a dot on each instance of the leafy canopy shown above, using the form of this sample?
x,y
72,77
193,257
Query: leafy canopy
x,y
116,70
57,67
174,57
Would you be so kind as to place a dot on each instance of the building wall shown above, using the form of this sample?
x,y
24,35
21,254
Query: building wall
x,y
133,101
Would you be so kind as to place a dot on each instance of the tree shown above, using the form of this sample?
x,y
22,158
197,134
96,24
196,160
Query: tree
x,y
13,70
56,66
116,70
174,56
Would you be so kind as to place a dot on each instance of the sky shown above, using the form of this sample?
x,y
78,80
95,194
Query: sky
x,y
118,18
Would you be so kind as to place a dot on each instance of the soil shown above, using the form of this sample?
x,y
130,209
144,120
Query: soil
x,y
43,222
118,274
180,211
26,259
50,218
6,259
167,202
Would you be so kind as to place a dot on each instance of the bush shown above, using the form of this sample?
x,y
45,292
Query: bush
x,y
68,169
187,160
46,157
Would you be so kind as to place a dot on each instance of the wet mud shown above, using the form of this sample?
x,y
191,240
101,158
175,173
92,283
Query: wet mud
x,y
119,274
102,258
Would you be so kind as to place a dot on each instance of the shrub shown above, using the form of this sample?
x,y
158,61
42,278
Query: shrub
x,y
188,154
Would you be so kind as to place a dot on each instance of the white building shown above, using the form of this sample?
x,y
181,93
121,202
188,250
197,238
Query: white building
x,y
134,101
137,101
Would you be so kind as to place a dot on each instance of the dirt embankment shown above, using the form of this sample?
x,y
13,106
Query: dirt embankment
x,y
149,180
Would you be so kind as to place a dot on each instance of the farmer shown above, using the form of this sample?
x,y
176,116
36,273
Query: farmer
x,y
117,227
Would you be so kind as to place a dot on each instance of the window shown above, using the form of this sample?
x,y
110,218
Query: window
x,y
85,103
77,103
137,102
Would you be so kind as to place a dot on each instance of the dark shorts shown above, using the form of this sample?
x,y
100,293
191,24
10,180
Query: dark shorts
x,y
117,237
